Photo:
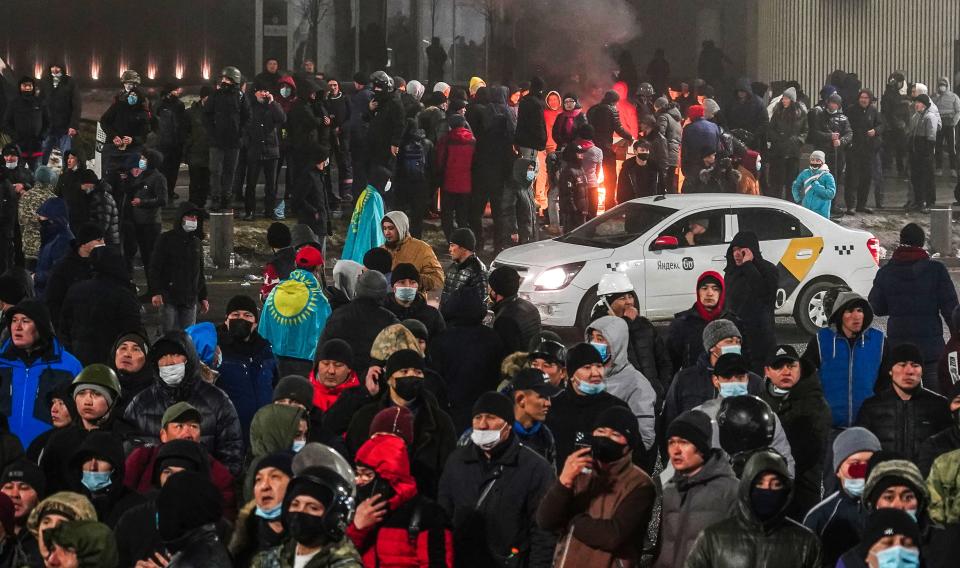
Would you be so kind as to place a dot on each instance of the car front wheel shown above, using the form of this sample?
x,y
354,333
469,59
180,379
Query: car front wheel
x,y
810,313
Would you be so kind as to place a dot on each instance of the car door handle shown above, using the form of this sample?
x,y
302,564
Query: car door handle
x,y
803,253
718,258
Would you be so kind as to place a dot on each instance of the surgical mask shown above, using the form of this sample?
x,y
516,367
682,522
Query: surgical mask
x,y
485,439
531,175
738,349
11,165
602,348
172,375
56,75
132,99
405,293
190,225
759,166
854,487
897,557
96,480
728,390
298,445
285,92
128,87
942,89
142,164
591,389
779,391
912,513
270,514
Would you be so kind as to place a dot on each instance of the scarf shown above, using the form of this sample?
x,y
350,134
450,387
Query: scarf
x,y
324,396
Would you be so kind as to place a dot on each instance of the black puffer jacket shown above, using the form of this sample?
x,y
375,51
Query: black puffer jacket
x,y
358,323
201,547
903,425
517,321
939,444
63,102
605,119
176,266
171,119
745,540
787,131
751,293
26,121
150,187
470,274
266,118
220,430
225,116
102,210
95,312
386,127
121,120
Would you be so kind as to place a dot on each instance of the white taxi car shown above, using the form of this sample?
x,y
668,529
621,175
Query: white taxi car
x,y
648,239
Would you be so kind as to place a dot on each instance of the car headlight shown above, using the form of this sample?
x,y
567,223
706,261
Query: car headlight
x,y
557,277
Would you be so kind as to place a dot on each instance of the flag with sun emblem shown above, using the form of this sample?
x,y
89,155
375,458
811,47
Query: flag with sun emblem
x,y
294,315
364,231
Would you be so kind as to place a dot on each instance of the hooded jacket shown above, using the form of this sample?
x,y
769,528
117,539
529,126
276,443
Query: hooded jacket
x,y
123,119
176,266
416,252
63,101
849,367
294,315
358,323
746,540
698,136
531,124
787,130
685,334
751,293
623,380
248,372
691,504
748,115
150,187
454,161
220,431
917,293
26,121
55,240
26,379
948,102
116,499
815,190
169,124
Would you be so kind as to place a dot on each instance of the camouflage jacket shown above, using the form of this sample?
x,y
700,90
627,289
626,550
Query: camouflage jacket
x,y
339,555
30,202
943,484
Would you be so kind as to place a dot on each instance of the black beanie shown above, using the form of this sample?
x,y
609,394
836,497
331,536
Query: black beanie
x,y
88,232
241,302
187,501
904,352
622,420
180,453
464,238
417,328
504,281
295,388
278,235
495,403
693,426
888,522
281,461
912,235
580,355
335,350
403,359
11,289
404,271
379,259
27,472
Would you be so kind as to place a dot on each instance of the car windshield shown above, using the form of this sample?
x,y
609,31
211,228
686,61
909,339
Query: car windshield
x,y
619,226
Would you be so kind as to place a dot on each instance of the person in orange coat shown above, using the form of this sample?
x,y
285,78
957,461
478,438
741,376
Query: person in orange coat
x,y
749,173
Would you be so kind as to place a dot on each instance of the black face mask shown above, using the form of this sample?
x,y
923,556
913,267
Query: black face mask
x,y
767,502
606,450
306,529
239,328
408,388
378,486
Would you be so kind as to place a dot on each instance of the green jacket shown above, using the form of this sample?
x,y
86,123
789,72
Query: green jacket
x,y
943,483
339,555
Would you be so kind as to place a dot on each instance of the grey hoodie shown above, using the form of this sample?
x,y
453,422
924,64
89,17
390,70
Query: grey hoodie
x,y
948,102
623,380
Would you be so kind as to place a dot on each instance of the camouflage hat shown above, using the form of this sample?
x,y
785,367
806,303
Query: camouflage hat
x,y
130,76
232,73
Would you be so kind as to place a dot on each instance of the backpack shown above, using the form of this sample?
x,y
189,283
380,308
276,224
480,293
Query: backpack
x,y
413,160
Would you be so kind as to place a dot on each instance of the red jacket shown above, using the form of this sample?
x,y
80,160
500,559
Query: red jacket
x,y
324,397
455,160
392,543
138,476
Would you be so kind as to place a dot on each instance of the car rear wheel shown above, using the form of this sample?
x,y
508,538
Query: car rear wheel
x,y
809,312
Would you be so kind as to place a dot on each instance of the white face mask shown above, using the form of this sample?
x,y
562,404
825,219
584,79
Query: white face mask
x,y
485,439
172,375
189,226
12,165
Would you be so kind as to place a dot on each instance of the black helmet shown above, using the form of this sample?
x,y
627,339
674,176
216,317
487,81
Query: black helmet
x,y
320,469
746,423
646,90
549,350
380,80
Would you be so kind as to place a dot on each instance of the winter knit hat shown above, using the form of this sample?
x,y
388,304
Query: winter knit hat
x,y
912,235
887,522
397,420
379,259
180,453
496,404
295,388
72,506
403,359
242,303
718,330
818,155
695,112
661,102
622,420
278,235
924,99
372,284
404,271
92,541
835,98
852,441
464,238
26,472
335,350
505,281
710,108
693,426
420,331
581,355
456,121
281,461
893,472
790,94
903,353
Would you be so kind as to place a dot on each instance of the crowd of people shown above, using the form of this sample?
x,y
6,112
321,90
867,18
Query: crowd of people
x,y
392,411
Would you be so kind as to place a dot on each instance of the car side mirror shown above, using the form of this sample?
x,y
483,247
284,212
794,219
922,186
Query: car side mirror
x,y
665,242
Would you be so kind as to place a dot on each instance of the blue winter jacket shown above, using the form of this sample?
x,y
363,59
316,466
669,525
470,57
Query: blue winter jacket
x,y
248,373
697,135
916,292
821,190
24,387
55,240
848,377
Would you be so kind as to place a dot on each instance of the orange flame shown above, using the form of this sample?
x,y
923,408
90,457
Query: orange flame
x,y
601,193
151,69
94,68
38,70
205,70
178,67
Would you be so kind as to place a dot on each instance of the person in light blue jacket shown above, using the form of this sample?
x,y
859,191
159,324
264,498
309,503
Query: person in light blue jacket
x,y
815,187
